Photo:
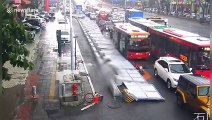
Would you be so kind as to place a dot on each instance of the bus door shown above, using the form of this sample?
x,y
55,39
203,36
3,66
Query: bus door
x,y
192,59
158,47
203,63
118,40
122,45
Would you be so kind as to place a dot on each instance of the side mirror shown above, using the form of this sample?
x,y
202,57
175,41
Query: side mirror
x,y
166,69
190,69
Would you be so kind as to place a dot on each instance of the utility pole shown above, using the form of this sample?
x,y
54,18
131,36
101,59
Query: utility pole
x,y
64,6
125,7
71,38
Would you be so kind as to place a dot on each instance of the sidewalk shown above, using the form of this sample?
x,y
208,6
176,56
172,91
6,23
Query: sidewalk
x,y
52,70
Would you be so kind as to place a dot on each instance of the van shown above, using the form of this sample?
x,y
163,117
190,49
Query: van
x,y
194,91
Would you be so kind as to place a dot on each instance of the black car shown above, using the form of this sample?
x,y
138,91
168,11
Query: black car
x,y
44,17
35,22
30,27
87,13
52,15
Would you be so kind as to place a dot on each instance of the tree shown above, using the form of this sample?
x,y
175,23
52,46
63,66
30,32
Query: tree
x,y
204,5
35,3
13,41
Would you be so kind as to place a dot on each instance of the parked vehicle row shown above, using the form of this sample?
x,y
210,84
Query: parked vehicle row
x,y
35,22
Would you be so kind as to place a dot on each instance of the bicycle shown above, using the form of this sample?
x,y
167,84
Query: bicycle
x,y
93,99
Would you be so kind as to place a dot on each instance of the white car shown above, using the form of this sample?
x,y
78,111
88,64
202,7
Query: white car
x,y
65,36
170,69
62,21
81,15
92,16
30,16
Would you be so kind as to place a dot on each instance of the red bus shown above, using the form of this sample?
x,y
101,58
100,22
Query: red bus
x,y
131,41
191,48
145,24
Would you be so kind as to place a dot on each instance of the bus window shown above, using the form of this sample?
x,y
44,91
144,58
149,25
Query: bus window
x,y
203,60
173,46
158,45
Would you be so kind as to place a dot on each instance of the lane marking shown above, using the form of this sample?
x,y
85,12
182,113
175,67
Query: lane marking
x,y
52,83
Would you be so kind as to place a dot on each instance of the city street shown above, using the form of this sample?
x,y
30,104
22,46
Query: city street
x,y
145,110
180,23
52,90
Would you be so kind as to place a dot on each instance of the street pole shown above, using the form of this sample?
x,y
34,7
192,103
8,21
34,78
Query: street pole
x,y
71,38
64,6
75,51
125,6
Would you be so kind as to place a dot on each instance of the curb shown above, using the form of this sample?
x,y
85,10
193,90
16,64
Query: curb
x,y
92,46
112,85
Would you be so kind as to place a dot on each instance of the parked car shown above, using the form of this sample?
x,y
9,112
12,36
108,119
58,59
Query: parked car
x,y
30,27
170,69
52,15
173,13
80,15
62,21
193,16
87,13
208,17
92,16
37,17
65,36
35,22
195,92
44,17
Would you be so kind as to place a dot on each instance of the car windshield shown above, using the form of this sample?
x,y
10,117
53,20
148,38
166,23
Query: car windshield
x,y
179,68
64,33
204,91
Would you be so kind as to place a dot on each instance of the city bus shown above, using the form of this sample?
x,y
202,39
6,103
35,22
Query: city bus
x,y
131,41
191,48
159,20
146,24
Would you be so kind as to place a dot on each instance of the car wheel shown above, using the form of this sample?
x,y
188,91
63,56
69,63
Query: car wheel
x,y
180,100
156,73
169,85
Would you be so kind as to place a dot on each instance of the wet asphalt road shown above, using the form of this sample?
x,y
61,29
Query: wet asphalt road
x,y
142,110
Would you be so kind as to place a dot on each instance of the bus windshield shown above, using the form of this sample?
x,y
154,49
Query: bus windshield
x,y
139,45
203,60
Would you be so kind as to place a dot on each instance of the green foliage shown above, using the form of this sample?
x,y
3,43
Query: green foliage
x,y
13,41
